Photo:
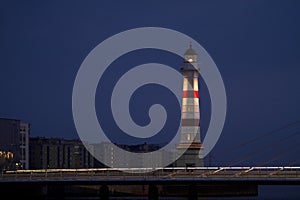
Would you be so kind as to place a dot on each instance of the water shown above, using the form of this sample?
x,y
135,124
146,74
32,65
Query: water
x,y
289,192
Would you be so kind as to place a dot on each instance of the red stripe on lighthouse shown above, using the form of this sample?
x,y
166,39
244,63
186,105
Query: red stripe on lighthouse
x,y
190,94
185,94
190,122
196,95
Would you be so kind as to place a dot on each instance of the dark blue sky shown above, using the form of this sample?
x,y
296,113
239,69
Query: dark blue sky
x,y
255,44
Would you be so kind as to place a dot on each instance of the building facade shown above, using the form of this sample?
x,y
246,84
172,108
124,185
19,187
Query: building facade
x,y
113,157
15,139
57,153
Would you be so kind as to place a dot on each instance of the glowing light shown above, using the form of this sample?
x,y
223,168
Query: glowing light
x,y
190,60
188,136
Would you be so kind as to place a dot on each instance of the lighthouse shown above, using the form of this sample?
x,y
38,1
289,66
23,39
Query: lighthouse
x,y
190,141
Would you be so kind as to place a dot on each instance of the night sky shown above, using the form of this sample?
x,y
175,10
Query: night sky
x,y
254,43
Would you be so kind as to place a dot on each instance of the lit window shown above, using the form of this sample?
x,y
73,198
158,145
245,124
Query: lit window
x,y
188,137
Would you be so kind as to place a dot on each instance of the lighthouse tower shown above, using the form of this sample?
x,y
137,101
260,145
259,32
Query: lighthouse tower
x,y
190,113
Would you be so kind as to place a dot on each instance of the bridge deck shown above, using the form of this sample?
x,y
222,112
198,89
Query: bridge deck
x,y
199,175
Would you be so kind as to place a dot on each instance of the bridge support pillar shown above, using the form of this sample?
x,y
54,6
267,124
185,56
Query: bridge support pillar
x,y
152,192
104,192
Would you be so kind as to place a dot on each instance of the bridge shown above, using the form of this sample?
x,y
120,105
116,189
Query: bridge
x,y
179,181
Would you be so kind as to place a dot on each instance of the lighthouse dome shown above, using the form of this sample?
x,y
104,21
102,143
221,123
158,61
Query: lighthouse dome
x,y
190,51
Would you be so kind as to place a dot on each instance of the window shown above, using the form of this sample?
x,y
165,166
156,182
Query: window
x,y
188,136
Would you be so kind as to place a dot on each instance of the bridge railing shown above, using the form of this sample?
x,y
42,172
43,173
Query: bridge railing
x,y
168,172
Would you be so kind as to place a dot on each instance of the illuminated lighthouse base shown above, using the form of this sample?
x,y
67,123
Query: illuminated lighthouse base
x,y
190,141
190,158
